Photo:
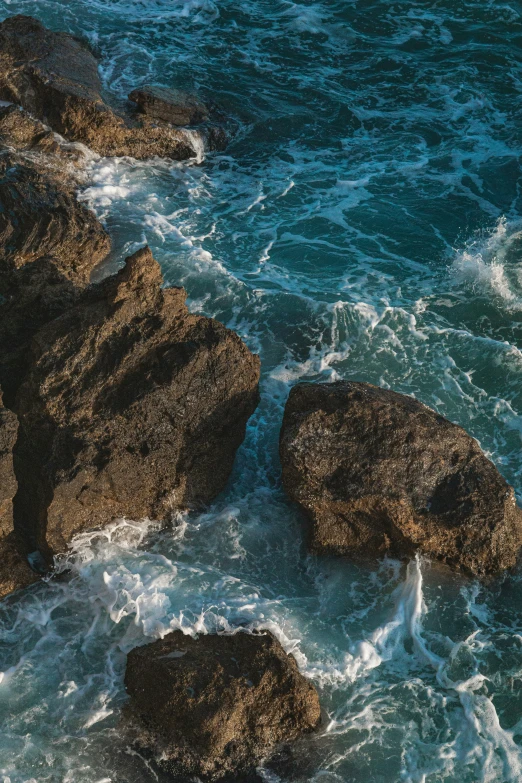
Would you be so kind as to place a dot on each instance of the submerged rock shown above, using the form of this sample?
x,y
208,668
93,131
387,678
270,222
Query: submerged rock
x,y
55,77
174,106
216,706
378,472
132,406
14,570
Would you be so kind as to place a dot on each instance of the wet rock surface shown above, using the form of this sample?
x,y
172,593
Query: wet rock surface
x,y
14,570
55,77
131,407
377,472
216,706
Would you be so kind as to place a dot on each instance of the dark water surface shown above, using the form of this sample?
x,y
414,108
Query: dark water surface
x,y
365,223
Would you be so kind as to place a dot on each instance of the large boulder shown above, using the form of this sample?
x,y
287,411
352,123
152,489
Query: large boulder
x,y
216,706
378,472
55,77
132,406
14,570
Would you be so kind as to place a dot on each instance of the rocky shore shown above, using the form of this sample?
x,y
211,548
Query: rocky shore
x,y
116,401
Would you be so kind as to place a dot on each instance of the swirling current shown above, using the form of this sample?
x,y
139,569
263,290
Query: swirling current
x,y
365,223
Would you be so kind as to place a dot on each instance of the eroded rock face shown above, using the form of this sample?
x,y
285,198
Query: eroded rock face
x,y
14,570
132,407
216,706
378,472
55,77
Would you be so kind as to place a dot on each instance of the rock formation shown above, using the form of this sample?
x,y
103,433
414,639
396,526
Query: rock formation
x,y
55,77
216,706
378,472
49,242
14,572
131,407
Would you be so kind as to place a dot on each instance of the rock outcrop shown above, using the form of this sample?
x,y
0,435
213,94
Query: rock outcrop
x,y
49,242
378,472
216,706
132,406
14,570
41,216
55,77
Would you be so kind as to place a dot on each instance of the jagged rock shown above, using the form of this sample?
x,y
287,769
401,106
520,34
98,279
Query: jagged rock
x,y
216,706
378,472
132,407
14,570
41,216
49,243
55,77
174,106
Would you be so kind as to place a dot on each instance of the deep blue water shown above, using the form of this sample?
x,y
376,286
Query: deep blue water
x,y
364,223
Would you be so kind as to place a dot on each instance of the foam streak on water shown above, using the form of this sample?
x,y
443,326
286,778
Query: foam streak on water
x,y
365,223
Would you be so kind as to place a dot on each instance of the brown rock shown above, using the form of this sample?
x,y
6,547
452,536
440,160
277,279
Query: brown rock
x,y
37,293
132,407
15,573
14,570
8,433
20,131
41,216
49,242
216,706
174,106
378,472
55,77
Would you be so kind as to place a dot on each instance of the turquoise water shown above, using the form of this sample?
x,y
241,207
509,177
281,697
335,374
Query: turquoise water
x,y
364,223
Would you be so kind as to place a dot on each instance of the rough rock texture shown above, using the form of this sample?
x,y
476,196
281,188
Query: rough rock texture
x,y
38,293
41,216
379,472
174,106
49,242
132,407
20,131
216,706
55,77
14,570
8,432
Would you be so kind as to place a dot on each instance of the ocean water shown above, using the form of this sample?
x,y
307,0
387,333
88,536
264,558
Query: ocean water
x,y
365,222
